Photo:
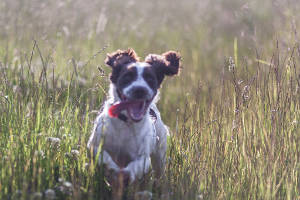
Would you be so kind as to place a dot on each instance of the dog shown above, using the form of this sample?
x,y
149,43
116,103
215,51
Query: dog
x,y
129,136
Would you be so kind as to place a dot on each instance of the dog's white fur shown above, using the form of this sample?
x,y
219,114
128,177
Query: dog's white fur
x,y
140,81
145,141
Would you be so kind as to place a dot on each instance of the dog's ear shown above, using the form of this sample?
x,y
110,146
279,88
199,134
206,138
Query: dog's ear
x,y
121,57
165,64
118,59
173,62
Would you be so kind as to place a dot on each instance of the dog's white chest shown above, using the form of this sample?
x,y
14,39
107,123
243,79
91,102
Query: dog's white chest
x,y
126,142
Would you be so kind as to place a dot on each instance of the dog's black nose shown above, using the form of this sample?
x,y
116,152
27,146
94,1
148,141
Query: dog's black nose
x,y
139,93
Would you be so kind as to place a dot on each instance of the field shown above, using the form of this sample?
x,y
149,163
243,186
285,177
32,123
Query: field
x,y
233,112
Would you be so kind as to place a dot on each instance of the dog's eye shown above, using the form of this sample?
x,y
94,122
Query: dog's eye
x,y
127,78
150,79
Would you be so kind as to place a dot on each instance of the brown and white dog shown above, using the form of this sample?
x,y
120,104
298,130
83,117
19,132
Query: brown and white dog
x,y
129,129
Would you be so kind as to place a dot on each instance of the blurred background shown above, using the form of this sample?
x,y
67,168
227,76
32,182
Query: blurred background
x,y
205,32
204,29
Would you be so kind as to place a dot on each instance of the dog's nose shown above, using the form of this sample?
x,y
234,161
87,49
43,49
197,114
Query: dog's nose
x,y
139,93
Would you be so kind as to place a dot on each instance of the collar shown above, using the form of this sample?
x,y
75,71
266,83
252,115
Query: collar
x,y
123,117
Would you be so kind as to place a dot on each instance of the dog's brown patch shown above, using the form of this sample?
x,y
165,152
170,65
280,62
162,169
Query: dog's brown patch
x,y
165,64
118,59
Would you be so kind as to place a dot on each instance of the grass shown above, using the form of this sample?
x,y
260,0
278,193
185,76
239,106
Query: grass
x,y
234,111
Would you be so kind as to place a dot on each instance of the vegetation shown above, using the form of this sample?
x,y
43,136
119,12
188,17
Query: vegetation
x,y
234,111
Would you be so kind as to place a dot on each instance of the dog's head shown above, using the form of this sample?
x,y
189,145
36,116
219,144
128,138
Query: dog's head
x,y
137,82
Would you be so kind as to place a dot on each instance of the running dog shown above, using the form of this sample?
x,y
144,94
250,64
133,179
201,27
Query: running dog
x,y
129,136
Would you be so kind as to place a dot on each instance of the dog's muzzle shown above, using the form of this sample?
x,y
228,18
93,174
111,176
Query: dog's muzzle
x,y
136,104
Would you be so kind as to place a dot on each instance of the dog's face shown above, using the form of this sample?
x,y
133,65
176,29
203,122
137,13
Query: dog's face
x,y
137,82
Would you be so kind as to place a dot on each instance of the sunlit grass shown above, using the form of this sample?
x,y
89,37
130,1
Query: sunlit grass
x,y
233,112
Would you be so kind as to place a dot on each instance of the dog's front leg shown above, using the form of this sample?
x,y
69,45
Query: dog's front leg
x,y
138,168
106,159
95,142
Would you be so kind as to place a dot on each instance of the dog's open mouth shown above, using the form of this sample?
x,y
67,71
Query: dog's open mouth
x,y
136,109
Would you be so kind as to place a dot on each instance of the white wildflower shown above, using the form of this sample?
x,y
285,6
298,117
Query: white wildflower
x,y
143,195
75,153
37,196
50,194
55,142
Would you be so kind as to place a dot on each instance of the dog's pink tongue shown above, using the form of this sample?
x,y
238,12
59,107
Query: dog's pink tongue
x,y
136,109
115,110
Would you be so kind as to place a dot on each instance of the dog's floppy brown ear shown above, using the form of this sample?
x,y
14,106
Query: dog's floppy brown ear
x,y
121,57
167,63
118,59
173,63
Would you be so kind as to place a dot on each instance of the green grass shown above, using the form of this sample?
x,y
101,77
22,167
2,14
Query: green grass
x,y
234,111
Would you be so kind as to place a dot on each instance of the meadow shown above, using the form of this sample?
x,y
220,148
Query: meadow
x,y
233,112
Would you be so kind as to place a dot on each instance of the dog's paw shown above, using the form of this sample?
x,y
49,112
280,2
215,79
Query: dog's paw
x,y
123,177
128,176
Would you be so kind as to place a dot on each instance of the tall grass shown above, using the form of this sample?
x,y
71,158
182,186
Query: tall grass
x,y
234,111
